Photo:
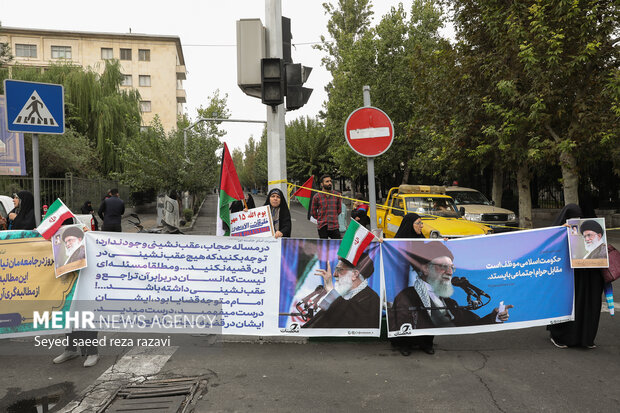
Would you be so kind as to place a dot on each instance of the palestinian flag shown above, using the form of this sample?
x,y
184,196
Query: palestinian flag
x,y
354,242
303,194
55,216
230,190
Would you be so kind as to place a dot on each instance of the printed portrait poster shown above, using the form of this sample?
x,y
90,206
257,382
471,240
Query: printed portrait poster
x,y
307,309
255,222
587,241
28,285
69,248
478,284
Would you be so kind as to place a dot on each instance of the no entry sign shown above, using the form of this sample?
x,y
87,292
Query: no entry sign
x,y
369,131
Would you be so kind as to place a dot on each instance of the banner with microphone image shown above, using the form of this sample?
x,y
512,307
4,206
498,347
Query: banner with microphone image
x,y
479,284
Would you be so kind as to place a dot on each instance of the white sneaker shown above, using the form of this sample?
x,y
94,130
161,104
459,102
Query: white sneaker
x,y
65,356
91,360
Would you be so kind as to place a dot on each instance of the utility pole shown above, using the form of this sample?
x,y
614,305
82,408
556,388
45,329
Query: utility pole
x,y
276,141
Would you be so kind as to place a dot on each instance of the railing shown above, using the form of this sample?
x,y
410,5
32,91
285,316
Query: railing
x,y
72,190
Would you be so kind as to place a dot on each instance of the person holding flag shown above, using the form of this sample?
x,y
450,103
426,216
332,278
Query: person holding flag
x,y
349,301
56,214
230,191
280,214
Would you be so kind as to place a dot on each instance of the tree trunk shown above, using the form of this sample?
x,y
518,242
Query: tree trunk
x,y
406,175
525,197
498,184
570,178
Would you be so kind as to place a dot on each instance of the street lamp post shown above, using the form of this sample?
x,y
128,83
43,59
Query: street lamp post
x,y
213,120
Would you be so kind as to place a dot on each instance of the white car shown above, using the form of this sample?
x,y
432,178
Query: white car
x,y
6,205
474,206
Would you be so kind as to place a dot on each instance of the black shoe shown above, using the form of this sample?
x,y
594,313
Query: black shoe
x,y
405,351
428,350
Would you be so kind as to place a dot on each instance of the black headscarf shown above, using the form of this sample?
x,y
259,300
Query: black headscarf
x,y
406,227
25,215
568,212
87,208
284,215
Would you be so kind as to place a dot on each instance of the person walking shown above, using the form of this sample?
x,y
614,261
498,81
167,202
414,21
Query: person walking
x,y
111,211
325,208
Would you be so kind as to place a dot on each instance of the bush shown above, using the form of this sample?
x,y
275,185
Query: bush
x,y
188,214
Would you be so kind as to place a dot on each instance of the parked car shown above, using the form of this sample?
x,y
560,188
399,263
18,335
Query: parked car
x,y
6,205
474,206
437,210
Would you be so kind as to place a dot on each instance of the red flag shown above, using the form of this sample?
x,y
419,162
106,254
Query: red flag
x,y
230,190
303,195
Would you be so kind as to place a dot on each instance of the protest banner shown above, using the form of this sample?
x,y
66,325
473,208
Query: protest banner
x,y
255,222
301,291
180,284
524,274
28,286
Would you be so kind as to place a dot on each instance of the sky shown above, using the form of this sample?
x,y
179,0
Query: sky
x,y
207,30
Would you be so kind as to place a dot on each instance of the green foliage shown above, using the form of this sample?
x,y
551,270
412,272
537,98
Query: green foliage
x,y
5,52
188,214
306,142
95,107
158,162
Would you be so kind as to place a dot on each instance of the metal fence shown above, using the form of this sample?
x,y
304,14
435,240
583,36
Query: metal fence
x,y
72,190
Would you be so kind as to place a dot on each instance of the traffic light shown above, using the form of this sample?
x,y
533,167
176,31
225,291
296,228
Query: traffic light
x,y
287,37
296,94
272,81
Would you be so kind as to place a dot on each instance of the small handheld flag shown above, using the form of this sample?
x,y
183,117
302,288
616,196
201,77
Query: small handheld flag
x,y
354,242
55,216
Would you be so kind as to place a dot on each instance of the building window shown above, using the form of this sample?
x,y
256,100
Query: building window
x,y
145,80
107,53
61,52
144,55
126,80
125,54
145,106
26,50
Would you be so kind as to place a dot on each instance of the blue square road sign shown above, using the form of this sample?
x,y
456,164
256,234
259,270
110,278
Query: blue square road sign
x,y
33,107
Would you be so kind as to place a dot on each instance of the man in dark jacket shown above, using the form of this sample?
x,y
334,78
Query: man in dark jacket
x,y
111,212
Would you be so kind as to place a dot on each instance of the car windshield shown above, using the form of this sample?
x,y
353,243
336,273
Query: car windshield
x,y
443,207
469,198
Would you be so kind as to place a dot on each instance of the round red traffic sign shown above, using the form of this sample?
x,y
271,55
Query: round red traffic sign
x,y
369,131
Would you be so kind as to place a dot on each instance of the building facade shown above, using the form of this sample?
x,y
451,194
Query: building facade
x,y
152,64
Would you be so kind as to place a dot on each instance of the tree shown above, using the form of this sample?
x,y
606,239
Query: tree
x,y
95,107
158,162
548,76
5,52
305,149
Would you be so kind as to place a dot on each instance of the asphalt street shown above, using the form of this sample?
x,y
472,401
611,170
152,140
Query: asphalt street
x,y
510,371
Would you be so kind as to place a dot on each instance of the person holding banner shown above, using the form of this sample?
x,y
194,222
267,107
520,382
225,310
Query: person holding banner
x,y
589,286
350,302
427,303
411,227
280,213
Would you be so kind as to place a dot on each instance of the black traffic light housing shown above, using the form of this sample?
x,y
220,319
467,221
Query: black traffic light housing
x,y
296,94
272,81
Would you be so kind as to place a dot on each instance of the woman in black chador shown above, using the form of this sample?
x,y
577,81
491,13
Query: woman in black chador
x,y
588,291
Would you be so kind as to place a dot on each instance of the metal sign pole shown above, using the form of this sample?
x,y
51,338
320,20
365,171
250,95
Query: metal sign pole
x,y
370,161
36,190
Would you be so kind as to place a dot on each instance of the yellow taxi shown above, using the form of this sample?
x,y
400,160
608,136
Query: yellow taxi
x,y
437,210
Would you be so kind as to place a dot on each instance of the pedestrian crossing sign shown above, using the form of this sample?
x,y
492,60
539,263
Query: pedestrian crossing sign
x,y
34,107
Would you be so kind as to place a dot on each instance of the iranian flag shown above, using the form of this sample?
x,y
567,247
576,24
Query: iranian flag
x,y
303,194
56,215
230,190
354,242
